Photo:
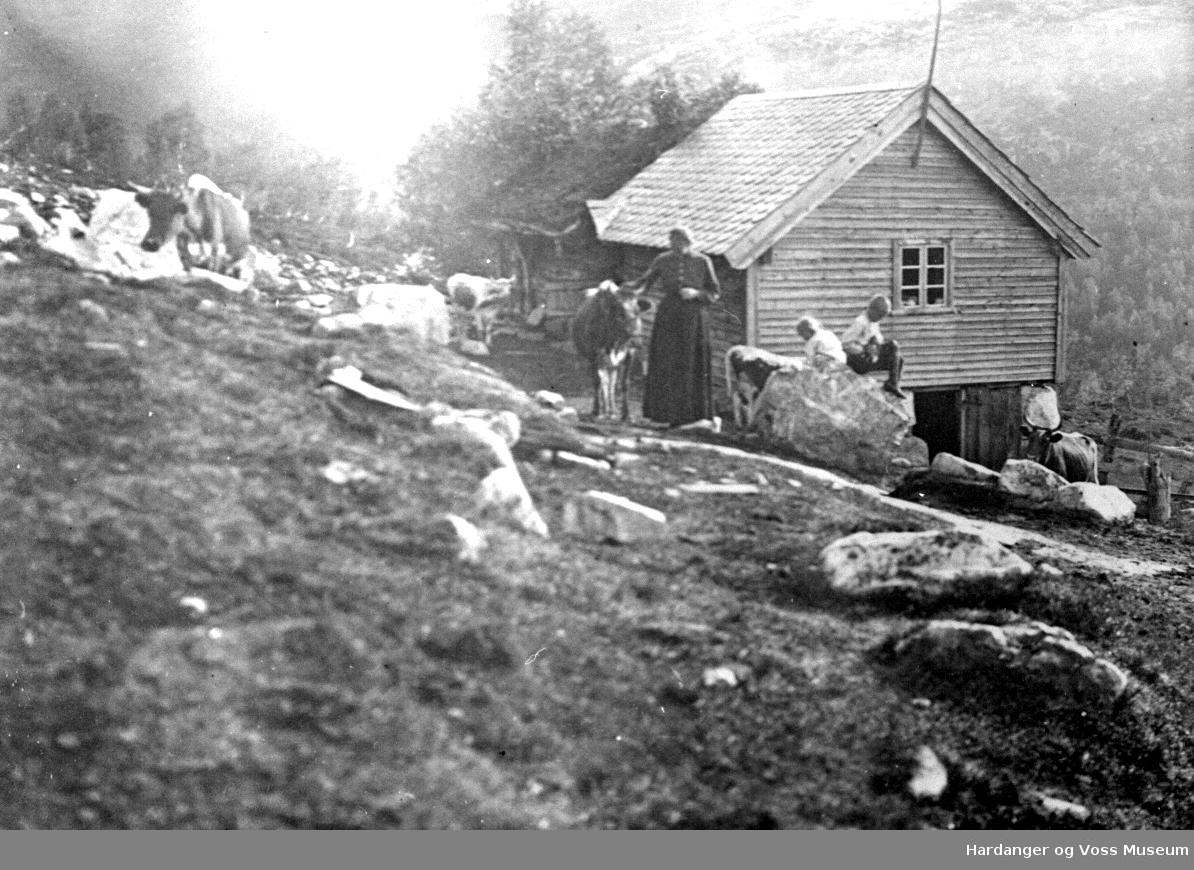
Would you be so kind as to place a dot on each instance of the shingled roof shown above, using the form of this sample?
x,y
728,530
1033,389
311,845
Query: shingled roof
x,y
746,176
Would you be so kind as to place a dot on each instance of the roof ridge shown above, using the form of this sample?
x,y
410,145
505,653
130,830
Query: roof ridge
x,y
833,92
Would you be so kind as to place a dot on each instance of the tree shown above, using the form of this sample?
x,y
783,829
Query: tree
x,y
555,124
19,123
106,143
175,144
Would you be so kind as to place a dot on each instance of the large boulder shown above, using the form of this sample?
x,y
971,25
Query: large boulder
x,y
1030,483
112,244
923,566
1101,504
840,420
603,516
947,468
416,308
1030,656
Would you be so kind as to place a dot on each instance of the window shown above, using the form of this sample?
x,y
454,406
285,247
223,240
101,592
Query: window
x,y
922,275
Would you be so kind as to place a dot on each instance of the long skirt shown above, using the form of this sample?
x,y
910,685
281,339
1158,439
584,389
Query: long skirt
x,y
679,385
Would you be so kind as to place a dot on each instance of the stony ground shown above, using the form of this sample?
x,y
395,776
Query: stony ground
x,y
345,671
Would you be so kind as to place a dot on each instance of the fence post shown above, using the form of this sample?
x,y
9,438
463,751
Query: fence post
x,y
1158,492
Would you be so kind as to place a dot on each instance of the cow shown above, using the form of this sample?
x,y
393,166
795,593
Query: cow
x,y
747,371
481,298
202,213
1071,454
607,334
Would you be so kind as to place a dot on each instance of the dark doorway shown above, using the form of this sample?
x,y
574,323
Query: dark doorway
x,y
938,421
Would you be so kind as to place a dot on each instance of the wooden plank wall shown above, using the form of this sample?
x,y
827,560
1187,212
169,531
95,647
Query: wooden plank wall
x,y
1002,327
727,319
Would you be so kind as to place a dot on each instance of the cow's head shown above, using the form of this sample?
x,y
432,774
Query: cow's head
x,y
167,210
1039,440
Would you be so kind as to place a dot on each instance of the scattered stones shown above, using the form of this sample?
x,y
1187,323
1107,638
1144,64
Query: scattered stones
x,y
923,566
930,778
1030,654
604,516
1107,505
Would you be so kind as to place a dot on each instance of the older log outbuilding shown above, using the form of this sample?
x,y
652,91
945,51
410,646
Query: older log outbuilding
x,y
810,203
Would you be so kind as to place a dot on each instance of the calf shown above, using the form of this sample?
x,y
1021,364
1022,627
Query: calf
x,y
1072,455
482,298
747,371
607,333
202,213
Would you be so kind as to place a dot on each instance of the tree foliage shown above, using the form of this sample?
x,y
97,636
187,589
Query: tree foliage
x,y
557,123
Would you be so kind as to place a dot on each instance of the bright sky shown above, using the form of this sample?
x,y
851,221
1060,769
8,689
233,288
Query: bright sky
x,y
363,78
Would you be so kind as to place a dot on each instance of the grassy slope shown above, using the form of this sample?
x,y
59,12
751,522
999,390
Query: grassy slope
x,y
188,462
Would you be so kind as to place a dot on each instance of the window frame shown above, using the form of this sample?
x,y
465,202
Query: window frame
x,y
898,247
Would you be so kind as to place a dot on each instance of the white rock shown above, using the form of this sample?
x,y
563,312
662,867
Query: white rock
x,y
726,675
348,323
1030,482
472,347
923,565
1101,504
481,433
416,308
947,467
16,211
320,300
341,473
930,778
94,311
9,234
604,516
703,488
193,603
548,399
112,244
504,423
1052,806
565,458
472,540
503,494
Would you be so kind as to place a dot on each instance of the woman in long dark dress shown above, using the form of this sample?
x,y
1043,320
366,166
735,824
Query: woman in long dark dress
x,y
679,386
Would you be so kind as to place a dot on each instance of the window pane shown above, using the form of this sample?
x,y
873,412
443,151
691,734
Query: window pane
x,y
935,296
936,255
935,275
909,297
910,277
910,256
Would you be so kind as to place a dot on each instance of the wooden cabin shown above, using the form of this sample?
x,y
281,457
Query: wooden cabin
x,y
810,203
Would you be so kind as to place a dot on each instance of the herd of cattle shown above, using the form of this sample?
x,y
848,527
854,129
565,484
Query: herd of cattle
x,y
606,330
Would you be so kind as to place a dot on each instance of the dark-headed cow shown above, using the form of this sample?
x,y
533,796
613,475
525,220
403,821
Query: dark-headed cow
x,y
1071,454
747,371
480,298
607,333
202,213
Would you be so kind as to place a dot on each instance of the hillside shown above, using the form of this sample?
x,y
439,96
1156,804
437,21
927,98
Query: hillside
x,y
228,602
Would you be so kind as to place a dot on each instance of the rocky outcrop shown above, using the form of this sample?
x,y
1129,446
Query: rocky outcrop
x,y
1107,505
1029,656
1029,483
602,516
923,566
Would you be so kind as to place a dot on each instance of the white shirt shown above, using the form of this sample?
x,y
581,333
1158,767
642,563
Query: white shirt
x,y
861,331
824,343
